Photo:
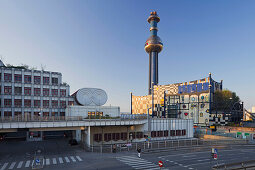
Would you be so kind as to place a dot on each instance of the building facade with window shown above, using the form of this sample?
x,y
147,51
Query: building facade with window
x,y
188,100
32,93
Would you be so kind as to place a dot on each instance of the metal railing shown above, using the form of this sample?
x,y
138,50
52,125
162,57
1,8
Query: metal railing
x,y
238,165
62,118
40,119
159,145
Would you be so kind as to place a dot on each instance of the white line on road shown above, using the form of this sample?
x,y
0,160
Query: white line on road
x,y
203,160
135,161
12,165
54,161
67,160
20,164
60,160
27,164
4,166
79,158
190,168
47,161
72,158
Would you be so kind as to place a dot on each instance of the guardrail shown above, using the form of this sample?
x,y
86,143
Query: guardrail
x,y
235,166
157,145
61,118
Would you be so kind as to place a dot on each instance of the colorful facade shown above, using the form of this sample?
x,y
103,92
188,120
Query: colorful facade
x,y
188,100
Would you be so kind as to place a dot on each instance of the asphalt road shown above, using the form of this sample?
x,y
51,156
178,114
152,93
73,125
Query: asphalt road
x,y
58,154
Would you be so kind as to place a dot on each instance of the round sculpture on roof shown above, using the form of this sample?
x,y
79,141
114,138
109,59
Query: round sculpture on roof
x,y
91,97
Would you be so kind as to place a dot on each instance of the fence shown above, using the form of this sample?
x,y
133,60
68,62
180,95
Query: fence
x,y
40,119
154,145
239,165
63,118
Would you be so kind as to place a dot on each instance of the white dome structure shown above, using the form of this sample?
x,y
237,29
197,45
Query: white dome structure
x,y
90,97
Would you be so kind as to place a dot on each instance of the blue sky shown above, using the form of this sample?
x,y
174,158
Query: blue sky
x,y
101,43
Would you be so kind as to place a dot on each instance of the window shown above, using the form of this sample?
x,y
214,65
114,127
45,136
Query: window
x,y
139,135
27,78
71,103
62,113
27,90
37,91
46,103
18,90
132,135
7,77
46,80
98,137
183,132
37,79
172,132
7,114
7,90
17,78
54,113
160,133
17,113
17,102
27,103
123,136
46,114
7,102
62,92
178,132
107,137
166,133
46,92
54,103
114,136
153,134
62,103
54,92
54,80
37,103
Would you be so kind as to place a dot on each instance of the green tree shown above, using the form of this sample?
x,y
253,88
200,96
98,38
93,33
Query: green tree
x,y
222,100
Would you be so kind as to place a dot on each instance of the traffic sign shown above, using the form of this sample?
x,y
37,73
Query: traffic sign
x,y
215,156
37,160
160,164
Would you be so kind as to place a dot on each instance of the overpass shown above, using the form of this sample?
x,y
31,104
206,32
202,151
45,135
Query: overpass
x,y
62,123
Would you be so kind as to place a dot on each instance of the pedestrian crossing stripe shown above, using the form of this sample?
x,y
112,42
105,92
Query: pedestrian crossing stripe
x,y
47,162
137,163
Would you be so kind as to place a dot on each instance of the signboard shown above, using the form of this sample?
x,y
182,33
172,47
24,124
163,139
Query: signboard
x,y
192,88
160,164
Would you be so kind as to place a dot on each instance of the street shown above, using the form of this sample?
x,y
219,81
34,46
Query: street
x,y
59,155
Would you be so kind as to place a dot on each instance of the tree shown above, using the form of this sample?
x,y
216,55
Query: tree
x,y
223,100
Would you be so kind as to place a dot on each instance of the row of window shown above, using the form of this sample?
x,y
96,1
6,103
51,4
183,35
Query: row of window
x,y
165,133
44,114
28,79
37,91
117,136
37,103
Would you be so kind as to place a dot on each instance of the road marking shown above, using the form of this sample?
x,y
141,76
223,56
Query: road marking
x,y
20,164
72,158
135,161
79,158
203,160
60,160
190,168
4,166
54,161
67,160
27,164
180,164
47,161
12,165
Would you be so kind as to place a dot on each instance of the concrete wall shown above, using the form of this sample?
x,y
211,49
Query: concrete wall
x,y
82,111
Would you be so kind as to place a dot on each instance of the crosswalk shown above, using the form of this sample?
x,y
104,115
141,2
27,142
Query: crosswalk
x,y
137,163
47,162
